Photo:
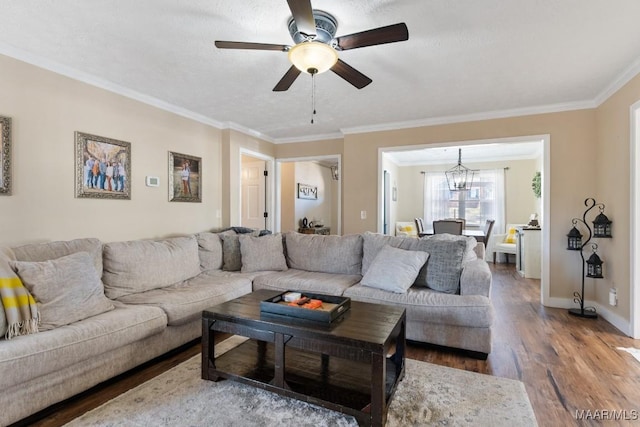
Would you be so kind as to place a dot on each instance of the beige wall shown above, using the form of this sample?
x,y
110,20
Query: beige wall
x,y
288,221
46,110
612,188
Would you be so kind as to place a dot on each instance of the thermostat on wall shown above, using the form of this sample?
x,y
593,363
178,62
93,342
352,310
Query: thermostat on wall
x,y
153,181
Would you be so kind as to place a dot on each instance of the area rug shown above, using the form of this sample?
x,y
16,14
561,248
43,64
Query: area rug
x,y
429,395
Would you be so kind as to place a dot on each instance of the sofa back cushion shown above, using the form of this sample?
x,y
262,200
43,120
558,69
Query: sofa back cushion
x,y
66,289
441,271
264,253
324,254
142,265
210,249
38,252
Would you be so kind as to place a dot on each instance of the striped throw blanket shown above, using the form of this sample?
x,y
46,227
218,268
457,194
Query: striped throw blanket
x,y
20,308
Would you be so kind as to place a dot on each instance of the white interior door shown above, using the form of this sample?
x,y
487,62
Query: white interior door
x,y
253,194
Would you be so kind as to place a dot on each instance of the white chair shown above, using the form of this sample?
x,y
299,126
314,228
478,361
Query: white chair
x,y
406,229
503,243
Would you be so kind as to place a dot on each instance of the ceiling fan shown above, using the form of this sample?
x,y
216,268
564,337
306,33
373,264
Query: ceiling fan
x,y
316,50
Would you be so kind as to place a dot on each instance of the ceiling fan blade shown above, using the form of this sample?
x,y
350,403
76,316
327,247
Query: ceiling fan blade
x,y
287,80
246,45
350,74
303,15
381,35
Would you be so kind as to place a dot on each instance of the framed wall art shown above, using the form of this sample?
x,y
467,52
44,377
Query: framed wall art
x,y
103,167
185,178
5,156
306,191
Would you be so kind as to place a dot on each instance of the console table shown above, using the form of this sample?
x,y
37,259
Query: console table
x,y
315,230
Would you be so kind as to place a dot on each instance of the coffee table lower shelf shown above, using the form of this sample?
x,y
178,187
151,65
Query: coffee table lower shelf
x,y
330,382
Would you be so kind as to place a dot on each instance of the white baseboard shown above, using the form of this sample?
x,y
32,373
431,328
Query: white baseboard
x,y
608,315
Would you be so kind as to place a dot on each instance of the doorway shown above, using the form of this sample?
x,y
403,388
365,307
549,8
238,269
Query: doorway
x,y
410,203
253,189
256,198
319,172
635,217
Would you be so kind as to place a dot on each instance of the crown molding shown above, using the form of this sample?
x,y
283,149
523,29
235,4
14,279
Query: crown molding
x,y
310,138
489,115
248,131
624,78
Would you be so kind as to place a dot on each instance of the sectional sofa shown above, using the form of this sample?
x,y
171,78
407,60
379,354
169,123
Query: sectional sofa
x,y
108,307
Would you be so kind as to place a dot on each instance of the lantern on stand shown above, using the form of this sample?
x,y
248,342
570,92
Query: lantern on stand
x,y
593,265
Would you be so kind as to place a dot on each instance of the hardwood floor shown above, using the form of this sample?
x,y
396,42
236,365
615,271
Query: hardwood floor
x,y
567,364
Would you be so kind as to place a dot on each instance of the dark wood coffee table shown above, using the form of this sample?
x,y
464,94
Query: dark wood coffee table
x,y
352,365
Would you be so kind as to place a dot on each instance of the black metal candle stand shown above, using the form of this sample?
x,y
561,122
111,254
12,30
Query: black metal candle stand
x,y
602,225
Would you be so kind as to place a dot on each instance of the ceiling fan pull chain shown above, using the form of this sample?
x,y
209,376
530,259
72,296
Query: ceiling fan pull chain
x,y
313,96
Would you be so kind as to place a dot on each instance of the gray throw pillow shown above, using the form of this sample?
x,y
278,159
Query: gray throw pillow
x,y
442,270
210,249
66,289
231,255
394,270
264,253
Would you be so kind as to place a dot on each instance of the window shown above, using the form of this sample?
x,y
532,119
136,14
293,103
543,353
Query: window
x,y
485,199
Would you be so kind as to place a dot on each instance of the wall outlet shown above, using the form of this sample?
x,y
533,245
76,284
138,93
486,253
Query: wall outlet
x,y
363,214
613,297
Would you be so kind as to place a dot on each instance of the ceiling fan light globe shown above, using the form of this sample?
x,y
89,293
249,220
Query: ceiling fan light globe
x,y
315,56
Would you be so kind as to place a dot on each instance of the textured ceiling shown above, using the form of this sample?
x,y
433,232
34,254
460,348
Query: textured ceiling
x,y
464,58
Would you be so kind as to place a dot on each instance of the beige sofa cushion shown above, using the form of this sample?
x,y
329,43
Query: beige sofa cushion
x,y
264,253
29,357
184,302
141,265
209,250
427,306
324,254
309,281
53,250
67,289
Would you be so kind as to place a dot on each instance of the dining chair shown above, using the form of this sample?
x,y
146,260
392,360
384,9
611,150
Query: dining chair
x,y
419,226
464,221
447,226
488,227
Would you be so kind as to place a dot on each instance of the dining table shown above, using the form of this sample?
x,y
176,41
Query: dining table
x,y
471,232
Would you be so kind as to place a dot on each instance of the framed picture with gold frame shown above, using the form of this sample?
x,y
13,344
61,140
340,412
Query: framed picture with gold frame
x,y
5,156
185,178
103,167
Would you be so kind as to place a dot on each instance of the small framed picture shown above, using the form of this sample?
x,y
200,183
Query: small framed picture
x,y
306,191
103,167
185,178
5,156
